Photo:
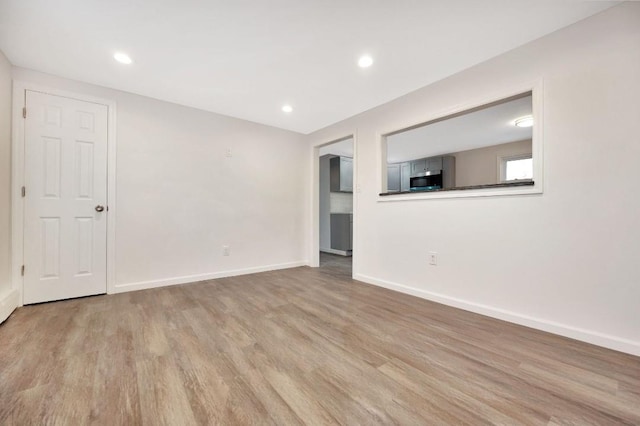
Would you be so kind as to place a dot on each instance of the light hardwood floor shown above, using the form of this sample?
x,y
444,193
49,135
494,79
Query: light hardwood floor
x,y
298,346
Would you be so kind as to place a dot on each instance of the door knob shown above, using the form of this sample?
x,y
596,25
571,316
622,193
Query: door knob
x,y
99,208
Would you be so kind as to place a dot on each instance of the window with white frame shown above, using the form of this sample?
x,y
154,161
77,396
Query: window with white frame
x,y
516,168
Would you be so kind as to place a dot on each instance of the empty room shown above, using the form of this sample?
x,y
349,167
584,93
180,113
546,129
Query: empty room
x,y
319,212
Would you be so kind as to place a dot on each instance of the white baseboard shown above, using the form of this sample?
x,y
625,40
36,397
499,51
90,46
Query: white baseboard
x,y
334,251
8,303
143,285
593,337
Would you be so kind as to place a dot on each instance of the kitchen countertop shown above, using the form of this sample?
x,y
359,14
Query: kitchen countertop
x,y
464,188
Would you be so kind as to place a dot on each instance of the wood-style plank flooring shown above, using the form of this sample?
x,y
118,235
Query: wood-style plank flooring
x,y
298,346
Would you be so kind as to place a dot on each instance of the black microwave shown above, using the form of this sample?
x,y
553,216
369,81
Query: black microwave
x,y
429,182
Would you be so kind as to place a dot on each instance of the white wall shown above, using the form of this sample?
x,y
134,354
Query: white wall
x,y
7,300
343,148
180,199
341,202
480,166
564,261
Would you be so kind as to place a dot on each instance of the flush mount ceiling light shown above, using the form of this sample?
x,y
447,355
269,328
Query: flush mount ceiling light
x,y
287,108
526,121
123,58
365,61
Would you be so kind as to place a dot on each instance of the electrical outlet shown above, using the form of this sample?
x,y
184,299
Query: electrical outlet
x,y
433,258
226,251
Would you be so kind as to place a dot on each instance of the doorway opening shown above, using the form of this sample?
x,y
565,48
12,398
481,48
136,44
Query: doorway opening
x,y
335,204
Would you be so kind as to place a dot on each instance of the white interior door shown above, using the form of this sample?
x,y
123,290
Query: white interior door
x,y
65,235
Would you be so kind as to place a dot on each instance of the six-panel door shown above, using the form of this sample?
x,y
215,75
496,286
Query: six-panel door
x,y
65,180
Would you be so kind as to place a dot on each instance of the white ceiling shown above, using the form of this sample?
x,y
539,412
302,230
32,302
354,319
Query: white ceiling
x,y
489,126
246,58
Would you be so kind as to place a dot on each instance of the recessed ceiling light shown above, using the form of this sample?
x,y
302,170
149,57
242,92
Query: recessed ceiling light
x,y
526,121
123,58
365,61
287,108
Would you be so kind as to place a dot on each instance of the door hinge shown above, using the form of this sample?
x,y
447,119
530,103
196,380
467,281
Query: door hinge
x,y
24,192
24,112
22,271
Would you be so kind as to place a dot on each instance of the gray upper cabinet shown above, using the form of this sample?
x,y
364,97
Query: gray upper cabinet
x,y
405,175
418,166
346,174
341,170
424,165
434,164
399,174
393,178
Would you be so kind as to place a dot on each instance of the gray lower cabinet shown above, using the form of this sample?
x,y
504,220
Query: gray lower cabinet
x,y
393,177
341,174
342,231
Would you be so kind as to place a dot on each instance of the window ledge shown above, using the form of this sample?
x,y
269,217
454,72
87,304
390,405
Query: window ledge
x,y
506,188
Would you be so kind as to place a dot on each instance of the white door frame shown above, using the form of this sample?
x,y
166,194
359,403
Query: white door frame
x,y
314,255
18,178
